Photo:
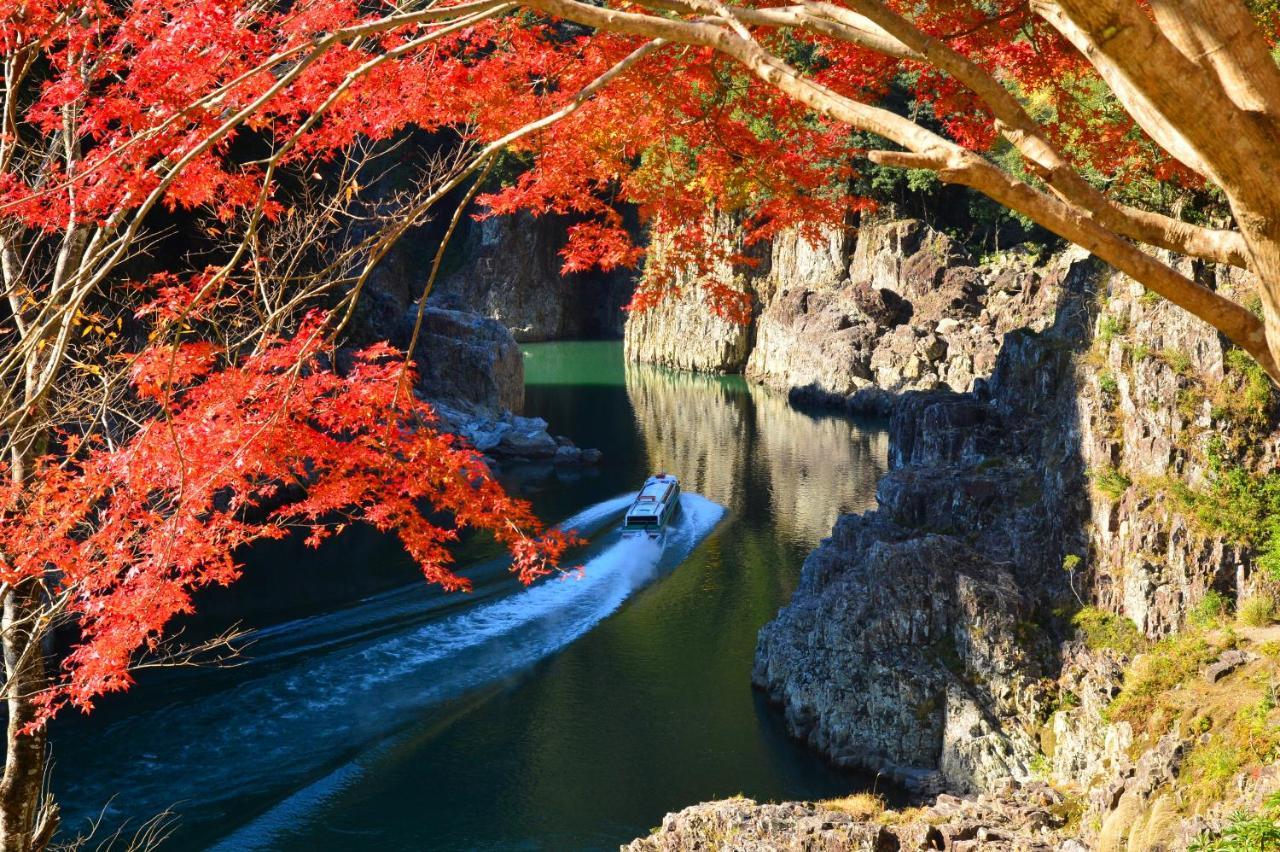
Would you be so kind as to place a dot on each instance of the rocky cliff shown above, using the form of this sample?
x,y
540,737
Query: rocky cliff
x,y
913,646
898,306
1047,586
472,371
507,268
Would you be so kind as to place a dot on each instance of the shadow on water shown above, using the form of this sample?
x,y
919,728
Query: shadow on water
x,y
550,718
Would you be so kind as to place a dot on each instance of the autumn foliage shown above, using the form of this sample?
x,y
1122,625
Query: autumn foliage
x,y
276,443
208,106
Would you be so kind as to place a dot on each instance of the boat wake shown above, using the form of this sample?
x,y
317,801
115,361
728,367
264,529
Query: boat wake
x,y
323,692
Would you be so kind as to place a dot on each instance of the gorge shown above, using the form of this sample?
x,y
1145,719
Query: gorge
x,y
1060,445
1020,502
338,337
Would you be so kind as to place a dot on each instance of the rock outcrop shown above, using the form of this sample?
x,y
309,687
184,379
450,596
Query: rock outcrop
x,y
898,306
465,359
682,331
931,639
509,269
472,371
1161,394
910,646
1026,819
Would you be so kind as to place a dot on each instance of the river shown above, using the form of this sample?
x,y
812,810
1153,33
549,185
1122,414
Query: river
x,y
572,715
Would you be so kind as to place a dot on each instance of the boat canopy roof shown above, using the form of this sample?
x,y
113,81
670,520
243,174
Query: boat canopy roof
x,y
658,490
653,498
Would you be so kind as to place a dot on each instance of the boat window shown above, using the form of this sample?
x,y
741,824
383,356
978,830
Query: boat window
x,y
642,521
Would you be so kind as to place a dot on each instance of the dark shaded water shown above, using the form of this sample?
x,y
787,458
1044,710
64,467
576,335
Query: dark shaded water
x,y
569,716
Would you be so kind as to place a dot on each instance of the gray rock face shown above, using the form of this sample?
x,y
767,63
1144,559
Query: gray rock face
x,y
465,358
1146,410
911,645
920,641
894,653
896,307
743,826
510,272
987,493
472,371
913,314
682,331
1226,664
706,343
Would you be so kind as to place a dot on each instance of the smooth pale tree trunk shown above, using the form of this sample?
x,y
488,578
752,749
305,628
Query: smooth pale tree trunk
x,y
25,826
21,830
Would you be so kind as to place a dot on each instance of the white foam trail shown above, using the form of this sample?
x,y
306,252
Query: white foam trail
x,y
275,733
374,615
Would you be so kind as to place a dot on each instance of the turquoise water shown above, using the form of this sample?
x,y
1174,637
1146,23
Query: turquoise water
x,y
572,715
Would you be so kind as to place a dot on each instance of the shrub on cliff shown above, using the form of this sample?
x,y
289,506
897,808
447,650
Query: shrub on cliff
x,y
1102,629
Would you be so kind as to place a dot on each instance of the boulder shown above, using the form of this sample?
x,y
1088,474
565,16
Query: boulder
x,y
465,358
1228,662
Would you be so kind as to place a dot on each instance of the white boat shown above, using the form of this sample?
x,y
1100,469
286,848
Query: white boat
x,y
653,508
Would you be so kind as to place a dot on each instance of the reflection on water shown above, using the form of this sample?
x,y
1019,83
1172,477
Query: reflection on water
x,y
558,718
733,442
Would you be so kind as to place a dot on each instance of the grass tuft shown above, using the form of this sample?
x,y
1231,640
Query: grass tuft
x,y
1257,611
860,806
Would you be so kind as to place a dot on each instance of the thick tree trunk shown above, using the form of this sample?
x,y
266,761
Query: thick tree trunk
x,y
25,824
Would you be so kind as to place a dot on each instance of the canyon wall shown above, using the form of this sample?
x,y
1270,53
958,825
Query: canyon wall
x,y
896,306
470,368
917,643
1066,451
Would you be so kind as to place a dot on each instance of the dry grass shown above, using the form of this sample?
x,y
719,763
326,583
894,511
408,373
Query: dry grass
x,y
1257,611
1240,715
1148,700
860,806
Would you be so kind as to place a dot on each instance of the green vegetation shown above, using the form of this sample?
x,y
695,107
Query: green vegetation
x,y
1108,385
1071,562
1111,326
1247,739
1067,700
1257,611
1102,629
1246,832
1212,610
1251,405
1111,481
1240,505
1237,503
1144,699
1178,361
1209,769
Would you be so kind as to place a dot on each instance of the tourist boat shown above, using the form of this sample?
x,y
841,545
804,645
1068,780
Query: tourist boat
x,y
653,508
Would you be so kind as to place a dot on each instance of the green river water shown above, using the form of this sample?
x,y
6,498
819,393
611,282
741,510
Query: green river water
x,y
569,716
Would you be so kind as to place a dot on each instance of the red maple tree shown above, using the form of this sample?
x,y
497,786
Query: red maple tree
x,y
132,479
